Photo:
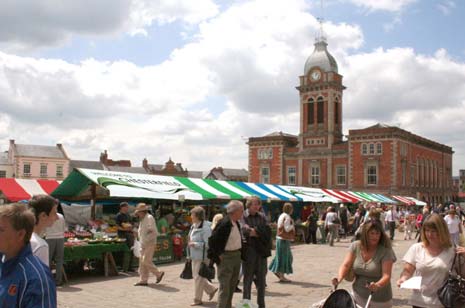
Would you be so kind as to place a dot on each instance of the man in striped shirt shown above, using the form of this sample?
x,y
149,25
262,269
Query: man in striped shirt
x,y
25,282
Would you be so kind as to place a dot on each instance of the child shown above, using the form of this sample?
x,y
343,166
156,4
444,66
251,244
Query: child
x,y
409,226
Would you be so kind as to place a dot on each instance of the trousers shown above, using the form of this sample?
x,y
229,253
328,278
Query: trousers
x,y
146,265
254,267
228,273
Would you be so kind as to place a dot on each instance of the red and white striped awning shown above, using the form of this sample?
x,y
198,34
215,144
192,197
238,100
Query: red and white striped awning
x,y
404,200
23,189
346,198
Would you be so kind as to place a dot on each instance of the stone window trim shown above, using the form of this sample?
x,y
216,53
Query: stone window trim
x,y
43,169
26,169
371,176
371,148
59,171
340,176
265,153
314,173
265,176
291,175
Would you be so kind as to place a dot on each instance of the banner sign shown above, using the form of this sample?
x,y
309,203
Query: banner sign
x,y
130,185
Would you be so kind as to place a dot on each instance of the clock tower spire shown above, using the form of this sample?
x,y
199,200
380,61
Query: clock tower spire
x,y
320,92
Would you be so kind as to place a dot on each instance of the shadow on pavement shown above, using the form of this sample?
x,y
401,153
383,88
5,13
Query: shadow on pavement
x,y
309,284
68,288
163,288
276,294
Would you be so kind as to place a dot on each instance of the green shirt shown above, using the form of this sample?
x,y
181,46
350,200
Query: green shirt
x,y
371,271
162,222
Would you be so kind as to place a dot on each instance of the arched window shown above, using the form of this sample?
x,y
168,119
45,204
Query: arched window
x,y
320,113
311,111
336,112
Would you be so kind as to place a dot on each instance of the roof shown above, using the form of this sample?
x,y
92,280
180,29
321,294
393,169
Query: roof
x,y
321,58
31,150
235,172
87,164
273,134
155,167
195,174
127,169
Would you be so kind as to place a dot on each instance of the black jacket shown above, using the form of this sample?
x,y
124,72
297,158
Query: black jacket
x,y
219,238
262,243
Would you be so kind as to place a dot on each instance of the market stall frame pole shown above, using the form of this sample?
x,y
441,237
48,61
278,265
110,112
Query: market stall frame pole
x,y
93,191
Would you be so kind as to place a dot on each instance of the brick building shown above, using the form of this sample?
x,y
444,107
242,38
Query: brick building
x,y
380,159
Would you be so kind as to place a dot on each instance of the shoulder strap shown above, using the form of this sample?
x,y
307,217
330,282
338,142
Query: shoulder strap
x,y
453,262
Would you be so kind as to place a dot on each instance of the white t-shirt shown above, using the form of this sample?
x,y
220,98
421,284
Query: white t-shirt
x,y
452,224
39,248
57,230
433,271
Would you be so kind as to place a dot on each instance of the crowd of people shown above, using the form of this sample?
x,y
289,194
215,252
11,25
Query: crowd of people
x,y
239,243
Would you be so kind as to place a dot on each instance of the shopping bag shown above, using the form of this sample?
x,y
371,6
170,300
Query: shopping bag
x,y
207,271
187,271
318,235
246,303
136,249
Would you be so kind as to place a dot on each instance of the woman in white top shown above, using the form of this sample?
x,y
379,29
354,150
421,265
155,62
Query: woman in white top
x,y
332,224
431,259
282,261
45,211
454,225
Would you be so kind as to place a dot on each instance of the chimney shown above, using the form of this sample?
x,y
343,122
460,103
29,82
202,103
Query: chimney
x,y
145,164
12,142
104,157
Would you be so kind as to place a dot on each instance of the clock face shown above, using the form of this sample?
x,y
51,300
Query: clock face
x,y
316,75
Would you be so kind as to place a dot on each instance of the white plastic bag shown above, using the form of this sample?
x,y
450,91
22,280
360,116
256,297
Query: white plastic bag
x,y
246,303
318,235
136,249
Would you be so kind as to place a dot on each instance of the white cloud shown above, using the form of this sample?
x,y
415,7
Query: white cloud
x,y
446,7
383,5
247,58
30,24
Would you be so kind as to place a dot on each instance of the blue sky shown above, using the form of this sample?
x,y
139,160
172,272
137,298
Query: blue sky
x,y
191,80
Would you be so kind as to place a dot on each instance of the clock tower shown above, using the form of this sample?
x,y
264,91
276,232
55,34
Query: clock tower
x,y
320,92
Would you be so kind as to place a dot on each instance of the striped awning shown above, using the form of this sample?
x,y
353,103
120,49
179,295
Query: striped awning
x,y
417,202
309,194
404,200
343,196
23,189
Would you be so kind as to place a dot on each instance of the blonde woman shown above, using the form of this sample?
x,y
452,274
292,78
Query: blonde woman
x,y
282,261
216,219
431,259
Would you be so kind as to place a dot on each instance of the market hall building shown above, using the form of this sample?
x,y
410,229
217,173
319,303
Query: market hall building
x,y
379,159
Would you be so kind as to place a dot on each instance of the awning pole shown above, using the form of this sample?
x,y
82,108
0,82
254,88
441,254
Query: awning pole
x,y
93,191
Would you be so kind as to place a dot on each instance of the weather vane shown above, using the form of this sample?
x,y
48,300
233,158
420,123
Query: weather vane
x,y
321,37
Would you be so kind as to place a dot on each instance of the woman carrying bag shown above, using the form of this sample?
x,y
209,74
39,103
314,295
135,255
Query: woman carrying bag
x,y
282,261
198,244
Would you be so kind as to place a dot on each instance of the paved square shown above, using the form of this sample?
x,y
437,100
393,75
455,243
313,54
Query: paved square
x,y
314,266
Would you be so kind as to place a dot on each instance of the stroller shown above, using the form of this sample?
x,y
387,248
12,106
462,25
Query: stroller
x,y
340,298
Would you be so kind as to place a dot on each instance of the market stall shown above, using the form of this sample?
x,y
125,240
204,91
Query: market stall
x,y
15,190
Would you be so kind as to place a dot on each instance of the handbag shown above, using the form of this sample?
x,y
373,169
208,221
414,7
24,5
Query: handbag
x,y
206,270
187,271
286,235
452,293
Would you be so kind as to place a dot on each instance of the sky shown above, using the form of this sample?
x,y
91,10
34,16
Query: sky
x,y
193,80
